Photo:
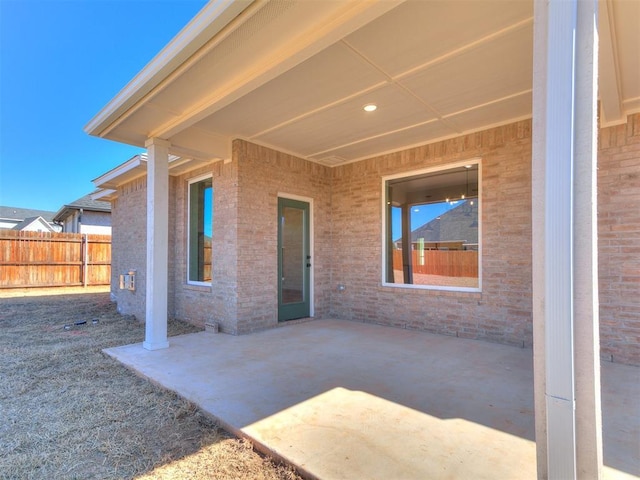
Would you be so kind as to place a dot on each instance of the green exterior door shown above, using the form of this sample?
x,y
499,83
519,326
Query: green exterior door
x,y
294,259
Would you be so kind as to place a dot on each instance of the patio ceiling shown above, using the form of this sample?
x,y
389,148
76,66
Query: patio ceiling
x,y
295,75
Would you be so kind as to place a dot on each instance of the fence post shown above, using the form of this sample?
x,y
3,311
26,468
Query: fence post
x,y
85,242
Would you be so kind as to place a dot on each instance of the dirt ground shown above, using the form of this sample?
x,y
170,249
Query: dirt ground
x,y
70,412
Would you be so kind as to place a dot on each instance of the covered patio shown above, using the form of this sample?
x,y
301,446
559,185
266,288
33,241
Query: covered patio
x,y
342,399
353,114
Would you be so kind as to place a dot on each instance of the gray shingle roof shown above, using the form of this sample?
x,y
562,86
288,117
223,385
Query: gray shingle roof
x,y
88,203
456,224
17,213
84,203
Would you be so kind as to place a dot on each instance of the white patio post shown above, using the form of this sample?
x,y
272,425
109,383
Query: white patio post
x,y
157,243
565,292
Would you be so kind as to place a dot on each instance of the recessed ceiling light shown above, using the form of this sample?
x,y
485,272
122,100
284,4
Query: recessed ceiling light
x,y
371,107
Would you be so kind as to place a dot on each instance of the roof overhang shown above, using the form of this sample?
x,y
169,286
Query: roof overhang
x,y
213,18
136,167
295,75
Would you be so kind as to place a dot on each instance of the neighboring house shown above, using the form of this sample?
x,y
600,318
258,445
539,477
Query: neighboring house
x,y
459,225
34,224
256,135
85,215
16,218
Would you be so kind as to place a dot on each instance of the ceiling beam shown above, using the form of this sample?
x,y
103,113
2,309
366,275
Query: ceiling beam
x,y
201,144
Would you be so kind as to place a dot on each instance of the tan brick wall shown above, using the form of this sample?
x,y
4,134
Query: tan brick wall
x,y
502,312
218,303
128,247
263,173
347,241
243,295
619,241
129,239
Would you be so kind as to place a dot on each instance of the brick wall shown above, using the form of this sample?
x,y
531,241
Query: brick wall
x,y
263,174
218,303
128,245
619,241
243,294
502,312
347,241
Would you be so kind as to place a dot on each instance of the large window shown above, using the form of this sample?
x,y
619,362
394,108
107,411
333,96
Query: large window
x,y
432,227
200,230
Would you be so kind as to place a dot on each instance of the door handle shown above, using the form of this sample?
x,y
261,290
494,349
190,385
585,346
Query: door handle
x,y
308,264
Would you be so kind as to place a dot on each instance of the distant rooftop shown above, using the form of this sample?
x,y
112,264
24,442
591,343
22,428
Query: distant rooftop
x,y
84,203
88,203
19,214
31,220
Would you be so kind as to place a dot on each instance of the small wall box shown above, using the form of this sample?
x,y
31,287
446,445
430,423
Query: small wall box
x,y
128,280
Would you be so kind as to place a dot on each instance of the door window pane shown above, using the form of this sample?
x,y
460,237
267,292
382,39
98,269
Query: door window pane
x,y
293,262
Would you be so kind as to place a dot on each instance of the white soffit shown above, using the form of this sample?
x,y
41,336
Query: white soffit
x,y
295,75
394,141
315,109
347,122
277,38
619,60
627,20
499,68
213,18
328,77
516,107
419,32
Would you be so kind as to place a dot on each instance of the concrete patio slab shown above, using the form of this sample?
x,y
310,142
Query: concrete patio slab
x,y
347,400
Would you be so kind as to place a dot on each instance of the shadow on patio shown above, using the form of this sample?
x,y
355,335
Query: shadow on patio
x,y
343,399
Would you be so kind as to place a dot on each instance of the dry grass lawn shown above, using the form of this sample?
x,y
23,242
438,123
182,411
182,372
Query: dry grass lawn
x,y
70,412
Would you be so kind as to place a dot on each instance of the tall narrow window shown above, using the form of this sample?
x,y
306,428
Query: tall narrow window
x,y
432,228
200,231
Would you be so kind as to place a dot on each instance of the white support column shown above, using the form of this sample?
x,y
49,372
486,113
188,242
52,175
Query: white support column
x,y
565,305
585,221
157,244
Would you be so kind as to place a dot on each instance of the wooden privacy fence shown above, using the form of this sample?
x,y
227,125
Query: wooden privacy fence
x,y
450,263
43,259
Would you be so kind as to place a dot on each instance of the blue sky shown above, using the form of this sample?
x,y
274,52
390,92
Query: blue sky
x,y
60,63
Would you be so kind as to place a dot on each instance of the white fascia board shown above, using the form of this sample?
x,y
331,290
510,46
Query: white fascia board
x,y
120,170
61,214
123,172
216,15
103,193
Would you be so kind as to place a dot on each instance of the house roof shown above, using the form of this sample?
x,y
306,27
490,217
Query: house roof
x,y
456,224
133,168
31,220
83,203
295,76
19,214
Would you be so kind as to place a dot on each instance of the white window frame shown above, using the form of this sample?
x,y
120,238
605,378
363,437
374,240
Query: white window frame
x,y
188,225
383,233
